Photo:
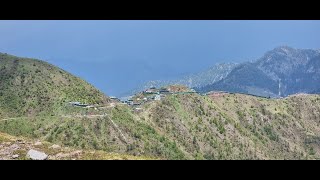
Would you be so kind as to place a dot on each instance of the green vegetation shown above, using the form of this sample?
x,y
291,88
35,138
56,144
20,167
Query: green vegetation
x,y
189,127
32,87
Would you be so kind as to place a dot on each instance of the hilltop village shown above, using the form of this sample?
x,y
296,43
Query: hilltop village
x,y
155,94
148,95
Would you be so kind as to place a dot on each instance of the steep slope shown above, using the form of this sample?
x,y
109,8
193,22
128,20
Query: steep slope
x,y
241,126
245,78
198,80
190,126
280,72
30,87
298,69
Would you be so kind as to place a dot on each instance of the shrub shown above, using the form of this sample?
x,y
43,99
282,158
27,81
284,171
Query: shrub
x,y
271,134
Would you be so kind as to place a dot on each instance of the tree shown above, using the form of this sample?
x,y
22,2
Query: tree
x,y
194,140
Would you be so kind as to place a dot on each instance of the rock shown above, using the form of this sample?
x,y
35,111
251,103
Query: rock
x,y
60,155
55,146
15,156
36,155
76,153
68,155
19,141
38,143
14,147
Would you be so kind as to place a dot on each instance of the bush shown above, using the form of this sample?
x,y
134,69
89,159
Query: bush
x,y
271,134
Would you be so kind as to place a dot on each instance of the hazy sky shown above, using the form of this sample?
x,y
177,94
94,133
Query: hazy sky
x,y
116,56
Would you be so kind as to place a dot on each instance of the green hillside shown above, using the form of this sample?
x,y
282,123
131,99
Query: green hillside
x,y
190,126
31,87
240,126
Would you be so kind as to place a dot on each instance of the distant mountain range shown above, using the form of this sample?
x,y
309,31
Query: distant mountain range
x,y
278,73
195,80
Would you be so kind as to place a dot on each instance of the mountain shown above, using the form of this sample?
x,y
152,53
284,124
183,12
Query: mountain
x,y
198,80
191,126
316,92
280,72
31,87
245,78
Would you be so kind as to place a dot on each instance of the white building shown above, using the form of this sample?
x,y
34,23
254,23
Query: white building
x,y
157,98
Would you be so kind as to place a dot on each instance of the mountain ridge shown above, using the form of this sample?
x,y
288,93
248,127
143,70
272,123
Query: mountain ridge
x,y
293,70
193,80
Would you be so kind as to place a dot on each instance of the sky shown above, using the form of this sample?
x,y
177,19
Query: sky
x,y
117,56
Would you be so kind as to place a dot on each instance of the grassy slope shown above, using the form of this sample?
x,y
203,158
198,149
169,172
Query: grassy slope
x,y
193,127
30,87
241,126
61,153
97,133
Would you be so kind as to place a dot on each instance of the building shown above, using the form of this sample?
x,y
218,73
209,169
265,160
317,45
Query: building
x,y
164,91
74,103
157,98
150,91
194,91
78,104
130,102
124,102
136,104
138,109
114,98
